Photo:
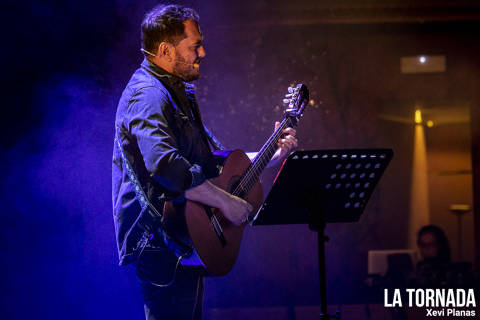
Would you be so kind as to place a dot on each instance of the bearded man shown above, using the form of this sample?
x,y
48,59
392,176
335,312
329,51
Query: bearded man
x,y
162,152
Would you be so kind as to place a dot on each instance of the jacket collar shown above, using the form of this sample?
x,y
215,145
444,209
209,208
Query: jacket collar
x,y
181,88
161,74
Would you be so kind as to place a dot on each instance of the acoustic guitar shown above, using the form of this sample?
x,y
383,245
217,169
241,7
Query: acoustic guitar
x,y
216,240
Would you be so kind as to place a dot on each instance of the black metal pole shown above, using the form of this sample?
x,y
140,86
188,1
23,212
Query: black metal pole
x,y
322,272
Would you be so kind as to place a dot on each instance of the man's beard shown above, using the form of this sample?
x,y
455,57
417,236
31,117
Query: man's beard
x,y
185,70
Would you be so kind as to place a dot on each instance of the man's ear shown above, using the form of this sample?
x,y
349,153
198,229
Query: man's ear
x,y
166,50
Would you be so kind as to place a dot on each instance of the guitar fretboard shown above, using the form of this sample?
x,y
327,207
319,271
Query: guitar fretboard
x,y
262,159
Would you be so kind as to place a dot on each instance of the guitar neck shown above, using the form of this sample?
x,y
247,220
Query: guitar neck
x,y
262,159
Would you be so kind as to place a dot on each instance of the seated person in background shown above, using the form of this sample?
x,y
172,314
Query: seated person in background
x,y
436,270
433,245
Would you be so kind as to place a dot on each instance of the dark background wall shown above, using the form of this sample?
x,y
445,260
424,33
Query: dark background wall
x,y
66,65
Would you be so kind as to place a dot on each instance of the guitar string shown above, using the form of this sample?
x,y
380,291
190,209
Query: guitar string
x,y
257,169
263,157
261,160
245,182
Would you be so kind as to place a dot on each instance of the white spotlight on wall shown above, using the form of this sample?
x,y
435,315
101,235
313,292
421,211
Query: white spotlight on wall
x,y
423,64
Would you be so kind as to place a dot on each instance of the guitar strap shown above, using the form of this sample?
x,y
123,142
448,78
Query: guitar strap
x,y
213,140
208,135
180,248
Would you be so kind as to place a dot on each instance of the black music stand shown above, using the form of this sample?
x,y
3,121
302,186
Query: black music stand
x,y
321,186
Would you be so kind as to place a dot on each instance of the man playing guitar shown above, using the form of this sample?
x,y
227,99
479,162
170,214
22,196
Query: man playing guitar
x,y
163,154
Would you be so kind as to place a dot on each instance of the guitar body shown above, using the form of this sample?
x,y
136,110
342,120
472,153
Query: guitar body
x,y
215,239
218,257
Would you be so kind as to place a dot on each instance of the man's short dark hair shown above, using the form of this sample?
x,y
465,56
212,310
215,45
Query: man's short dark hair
x,y
165,23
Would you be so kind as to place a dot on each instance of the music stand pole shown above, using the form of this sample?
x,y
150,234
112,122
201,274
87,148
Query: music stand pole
x,y
322,272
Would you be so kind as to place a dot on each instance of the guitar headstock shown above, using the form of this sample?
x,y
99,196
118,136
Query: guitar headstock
x,y
297,99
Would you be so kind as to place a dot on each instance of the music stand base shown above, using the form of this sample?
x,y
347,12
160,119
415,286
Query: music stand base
x,y
330,316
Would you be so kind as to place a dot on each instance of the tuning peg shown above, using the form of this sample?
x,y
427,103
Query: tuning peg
x,y
288,95
290,89
287,101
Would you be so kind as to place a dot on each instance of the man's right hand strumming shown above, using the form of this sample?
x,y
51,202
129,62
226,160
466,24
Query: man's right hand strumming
x,y
236,209
233,208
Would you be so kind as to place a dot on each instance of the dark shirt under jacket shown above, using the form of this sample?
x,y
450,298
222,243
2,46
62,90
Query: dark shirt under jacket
x,y
160,129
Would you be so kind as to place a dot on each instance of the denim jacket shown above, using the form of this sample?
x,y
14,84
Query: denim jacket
x,y
160,132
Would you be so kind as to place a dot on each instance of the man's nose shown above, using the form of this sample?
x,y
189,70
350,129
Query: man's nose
x,y
201,52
